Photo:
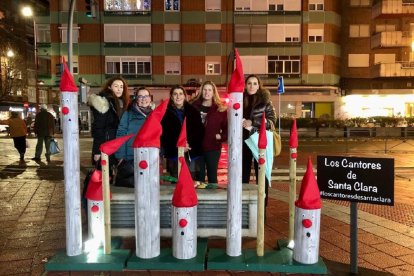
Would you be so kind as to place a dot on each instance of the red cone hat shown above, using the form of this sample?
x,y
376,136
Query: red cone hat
x,y
182,139
236,83
94,189
293,141
112,146
309,196
184,193
262,133
150,132
67,84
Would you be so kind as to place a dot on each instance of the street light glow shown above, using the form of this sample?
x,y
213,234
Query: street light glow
x,y
10,53
27,11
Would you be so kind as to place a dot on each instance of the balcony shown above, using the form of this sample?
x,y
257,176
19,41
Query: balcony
x,y
392,70
392,8
391,39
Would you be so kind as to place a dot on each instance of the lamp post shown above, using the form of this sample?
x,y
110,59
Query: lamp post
x,y
28,12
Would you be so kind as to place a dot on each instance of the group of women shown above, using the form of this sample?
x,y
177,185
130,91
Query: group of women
x,y
206,122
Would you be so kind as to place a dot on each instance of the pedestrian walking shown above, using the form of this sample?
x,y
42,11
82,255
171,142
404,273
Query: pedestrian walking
x,y
131,122
44,129
256,100
178,109
18,132
29,121
213,114
107,108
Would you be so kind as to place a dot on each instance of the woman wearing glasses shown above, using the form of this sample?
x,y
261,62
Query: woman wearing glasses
x,y
131,122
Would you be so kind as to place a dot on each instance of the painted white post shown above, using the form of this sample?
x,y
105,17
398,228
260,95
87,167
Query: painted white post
x,y
106,202
293,145
147,202
235,143
147,184
184,232
96,221
307,220
184,215
71,161
307,228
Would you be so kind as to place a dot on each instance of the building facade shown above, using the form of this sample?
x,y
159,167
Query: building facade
x,y
333,55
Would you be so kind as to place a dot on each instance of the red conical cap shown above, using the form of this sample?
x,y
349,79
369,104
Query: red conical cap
x,y
293,141
262,134
67,84
236,83
150,132
182,139
309,196
184,193
94,189
113,145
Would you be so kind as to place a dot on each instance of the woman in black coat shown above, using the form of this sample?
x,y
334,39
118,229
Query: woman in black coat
x,y
178,109
256,100
107,108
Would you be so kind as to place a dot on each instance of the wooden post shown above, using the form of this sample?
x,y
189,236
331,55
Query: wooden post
x,y
293,145
147,202
184,232
235,143
106,202
307,220
261,203
180,154
71,161
234,189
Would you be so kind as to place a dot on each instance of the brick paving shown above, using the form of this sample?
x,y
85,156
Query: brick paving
x,y
32,223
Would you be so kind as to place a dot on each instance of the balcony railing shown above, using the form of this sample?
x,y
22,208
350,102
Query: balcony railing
x,y
386,8
397,69
391,39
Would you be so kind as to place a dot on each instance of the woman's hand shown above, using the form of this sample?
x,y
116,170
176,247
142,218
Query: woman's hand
x,y
187,148
218,136
96,157
247,123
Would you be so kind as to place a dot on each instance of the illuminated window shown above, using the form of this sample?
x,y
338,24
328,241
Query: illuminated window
x,y
127,5
64,33
172,5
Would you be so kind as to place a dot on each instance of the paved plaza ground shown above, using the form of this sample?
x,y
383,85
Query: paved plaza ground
x,y
32,223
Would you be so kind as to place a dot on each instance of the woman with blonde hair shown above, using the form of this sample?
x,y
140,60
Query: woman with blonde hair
x,y
213,113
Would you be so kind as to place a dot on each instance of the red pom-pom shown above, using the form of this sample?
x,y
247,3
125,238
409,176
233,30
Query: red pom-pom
x,y
261,161
236,106
294,155
306,223
143,164
95,209
103,162
65,110
182,223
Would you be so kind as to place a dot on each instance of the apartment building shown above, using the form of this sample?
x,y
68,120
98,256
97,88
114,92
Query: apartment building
x,y
335,56
377,58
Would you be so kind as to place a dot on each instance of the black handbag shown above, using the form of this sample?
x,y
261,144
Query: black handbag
x,y
125,174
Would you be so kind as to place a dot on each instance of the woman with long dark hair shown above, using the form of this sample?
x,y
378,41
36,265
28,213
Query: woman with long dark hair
x,y
256,100
178,109
107,108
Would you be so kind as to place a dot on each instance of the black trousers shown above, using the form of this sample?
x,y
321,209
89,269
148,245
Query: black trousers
x,y
247,158
20,144
210,162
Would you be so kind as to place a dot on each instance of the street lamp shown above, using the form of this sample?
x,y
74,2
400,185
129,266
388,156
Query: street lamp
x,y
27,11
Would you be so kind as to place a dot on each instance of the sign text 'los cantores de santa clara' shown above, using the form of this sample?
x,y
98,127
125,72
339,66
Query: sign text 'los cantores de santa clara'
x,y
358,179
